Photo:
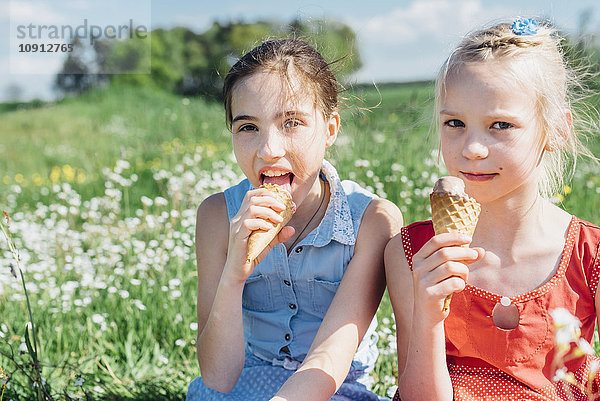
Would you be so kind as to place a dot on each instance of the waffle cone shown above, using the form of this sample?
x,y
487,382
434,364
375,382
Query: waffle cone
x,y
453,214
259,239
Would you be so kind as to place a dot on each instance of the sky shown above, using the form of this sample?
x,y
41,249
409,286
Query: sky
x,y
399,40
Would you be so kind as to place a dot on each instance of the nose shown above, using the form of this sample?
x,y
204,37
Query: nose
x,y
272,144
474,147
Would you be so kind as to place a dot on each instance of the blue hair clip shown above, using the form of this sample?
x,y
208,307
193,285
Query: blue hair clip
x,y
524,26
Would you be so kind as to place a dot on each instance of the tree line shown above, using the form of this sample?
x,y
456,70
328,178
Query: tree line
x,y
189,63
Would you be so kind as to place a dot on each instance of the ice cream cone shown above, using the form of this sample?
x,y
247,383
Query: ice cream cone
x,y
259,239
453,212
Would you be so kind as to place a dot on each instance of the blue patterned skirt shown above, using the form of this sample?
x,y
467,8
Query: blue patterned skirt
x,y
260,381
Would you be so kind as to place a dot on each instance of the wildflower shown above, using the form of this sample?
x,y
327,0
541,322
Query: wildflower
x,y
560,374
567,190
564,375
362,163
594,366
139,304
37,180
122,165
583,347
81,177
147,201
566,326
98,319
160,201
79,380
194,326
68,172
180,343
55,174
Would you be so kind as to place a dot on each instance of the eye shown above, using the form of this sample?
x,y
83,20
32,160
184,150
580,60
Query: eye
x,y
291,123
501,125
454,123
248,128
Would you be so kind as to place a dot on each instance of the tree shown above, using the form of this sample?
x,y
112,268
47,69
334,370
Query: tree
x,y
14,93
190,63
81,70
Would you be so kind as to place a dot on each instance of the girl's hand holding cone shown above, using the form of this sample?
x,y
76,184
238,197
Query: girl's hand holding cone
x,y
262,215
453,211
438,267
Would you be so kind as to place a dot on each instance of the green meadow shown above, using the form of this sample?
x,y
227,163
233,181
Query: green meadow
x,y
102,191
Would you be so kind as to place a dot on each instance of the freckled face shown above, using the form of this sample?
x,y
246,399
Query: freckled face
x,y
489,131
278,138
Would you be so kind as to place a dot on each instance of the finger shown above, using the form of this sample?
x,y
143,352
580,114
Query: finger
x,y
256,224
264,213
441,273
450,269
480,255
449,286
452,253
285,234
443,240
264,197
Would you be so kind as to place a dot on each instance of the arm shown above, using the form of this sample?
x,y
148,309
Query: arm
x,y
222,271
417,298
351,311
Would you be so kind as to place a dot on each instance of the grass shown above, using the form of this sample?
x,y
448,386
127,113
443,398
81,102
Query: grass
x,y
102,190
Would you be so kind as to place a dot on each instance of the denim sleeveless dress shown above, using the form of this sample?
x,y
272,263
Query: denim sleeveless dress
x,y
286,297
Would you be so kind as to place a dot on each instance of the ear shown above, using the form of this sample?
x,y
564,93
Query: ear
x,y
557,141
333,126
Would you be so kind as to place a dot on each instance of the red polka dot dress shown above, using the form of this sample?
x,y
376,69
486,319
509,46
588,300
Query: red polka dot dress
x,y
486,362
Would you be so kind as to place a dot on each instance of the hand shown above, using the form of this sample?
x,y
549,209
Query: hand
x,y
259,211
440,269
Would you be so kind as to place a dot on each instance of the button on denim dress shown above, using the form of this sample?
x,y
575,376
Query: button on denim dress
x,y
286,297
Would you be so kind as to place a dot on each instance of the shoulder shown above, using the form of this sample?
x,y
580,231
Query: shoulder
x,y
417,234
212,206
410,239
381,221
587,241
211,218
383,213
588,230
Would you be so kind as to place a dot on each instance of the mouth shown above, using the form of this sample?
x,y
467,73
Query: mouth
x,y
480,177
283,178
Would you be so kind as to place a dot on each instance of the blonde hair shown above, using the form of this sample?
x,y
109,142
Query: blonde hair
x,y
555,84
